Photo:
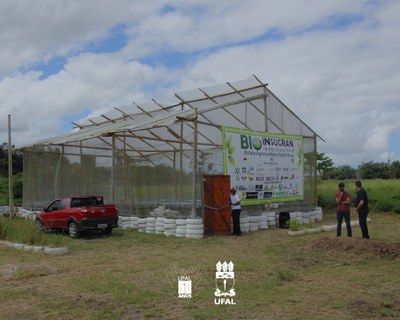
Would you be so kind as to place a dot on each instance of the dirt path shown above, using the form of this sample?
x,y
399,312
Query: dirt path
x,y
370,247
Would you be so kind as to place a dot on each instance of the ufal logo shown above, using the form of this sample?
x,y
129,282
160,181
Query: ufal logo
x,y
184,283
224,283
184,287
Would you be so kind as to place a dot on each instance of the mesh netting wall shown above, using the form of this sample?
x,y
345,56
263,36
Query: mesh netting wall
x,y
144,184
41,169
140,184
54,172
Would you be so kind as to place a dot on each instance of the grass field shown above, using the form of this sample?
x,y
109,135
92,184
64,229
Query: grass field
x,y
126,276
383,195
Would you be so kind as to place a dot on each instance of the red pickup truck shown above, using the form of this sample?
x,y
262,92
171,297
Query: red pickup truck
x,y
78,214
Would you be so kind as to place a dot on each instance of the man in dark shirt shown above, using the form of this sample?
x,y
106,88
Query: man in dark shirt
x,y
361,204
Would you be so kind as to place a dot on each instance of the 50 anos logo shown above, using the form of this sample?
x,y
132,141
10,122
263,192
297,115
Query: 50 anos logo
x,y
249,142
224,283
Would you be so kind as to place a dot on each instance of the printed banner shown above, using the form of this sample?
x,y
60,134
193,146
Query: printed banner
x,y
264,167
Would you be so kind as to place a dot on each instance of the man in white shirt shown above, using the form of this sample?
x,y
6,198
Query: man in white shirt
x,y
236,208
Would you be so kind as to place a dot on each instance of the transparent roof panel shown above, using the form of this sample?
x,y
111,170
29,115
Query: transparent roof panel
x,y
238,104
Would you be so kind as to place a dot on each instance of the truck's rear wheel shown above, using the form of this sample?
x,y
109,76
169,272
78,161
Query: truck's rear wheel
x,y
73,230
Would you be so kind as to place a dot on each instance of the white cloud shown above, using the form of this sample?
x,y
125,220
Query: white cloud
x,y
35,30
335,81
377,139
341,81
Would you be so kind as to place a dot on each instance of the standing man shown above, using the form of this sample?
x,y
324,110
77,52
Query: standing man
x,y
361,204
235,206
343,210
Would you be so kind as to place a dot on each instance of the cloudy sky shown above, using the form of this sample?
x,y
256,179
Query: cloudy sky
x,y
335,63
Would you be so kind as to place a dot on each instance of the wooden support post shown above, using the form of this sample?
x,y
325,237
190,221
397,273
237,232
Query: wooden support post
x,y
81,171
194,168
126,175
62,170
315,194
174,176
113,170
10,172
265,109
181,163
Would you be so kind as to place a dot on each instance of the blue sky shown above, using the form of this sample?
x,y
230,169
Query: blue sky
x,y
394,144
48,68
333,62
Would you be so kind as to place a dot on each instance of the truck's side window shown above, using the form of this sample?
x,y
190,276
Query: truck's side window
x,y
84,202
63,204
54,206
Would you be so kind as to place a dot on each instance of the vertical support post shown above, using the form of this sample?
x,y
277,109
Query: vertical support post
x,y
26,191
194,169
126,175
81,173
61,170
10,172
57,192
181,162
265,109
245,112
315,195
113,170
135,187
174,176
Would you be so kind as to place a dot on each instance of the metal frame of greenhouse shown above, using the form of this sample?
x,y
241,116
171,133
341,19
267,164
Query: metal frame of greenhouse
x,y
143,156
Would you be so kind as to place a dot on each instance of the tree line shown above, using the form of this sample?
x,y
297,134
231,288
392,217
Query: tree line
x,y
325,167
17,159
366,170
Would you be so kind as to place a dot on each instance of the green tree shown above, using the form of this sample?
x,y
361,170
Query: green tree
x,y
324,163
394,170
17,159
373,170
345,172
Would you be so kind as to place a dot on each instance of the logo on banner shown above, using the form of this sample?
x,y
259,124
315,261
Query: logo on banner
x,y
249,142
184,287
224,283
185,283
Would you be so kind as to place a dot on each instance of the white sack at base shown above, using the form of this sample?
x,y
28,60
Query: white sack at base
x,y
20,212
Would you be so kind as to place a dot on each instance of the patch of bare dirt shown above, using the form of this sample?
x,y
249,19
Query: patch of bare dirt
x,y
362,307
7,271
364,247
12,271
132,314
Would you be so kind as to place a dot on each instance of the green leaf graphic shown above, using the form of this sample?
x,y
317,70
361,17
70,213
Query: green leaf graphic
x,y
299,155
229,142
231,150
232,160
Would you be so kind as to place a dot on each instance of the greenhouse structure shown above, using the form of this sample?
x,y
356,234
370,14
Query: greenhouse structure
x,y
142,157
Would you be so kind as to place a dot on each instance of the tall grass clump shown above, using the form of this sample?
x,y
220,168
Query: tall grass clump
x,y
383,195
3,230
21,231
32,236
294,225
24,231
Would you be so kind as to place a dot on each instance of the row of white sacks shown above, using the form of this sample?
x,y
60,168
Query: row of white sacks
x,y
307,216
194,228
183,228
271,219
